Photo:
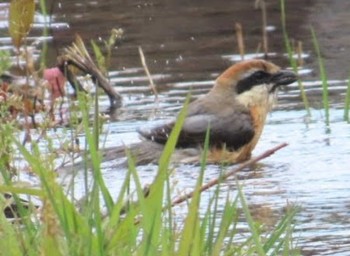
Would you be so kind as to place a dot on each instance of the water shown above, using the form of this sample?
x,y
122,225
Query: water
x,y
187,44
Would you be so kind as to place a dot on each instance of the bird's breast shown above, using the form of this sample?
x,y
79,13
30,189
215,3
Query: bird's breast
x,y
258,115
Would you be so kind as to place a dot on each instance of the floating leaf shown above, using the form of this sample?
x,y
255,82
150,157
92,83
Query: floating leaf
x,y
20,19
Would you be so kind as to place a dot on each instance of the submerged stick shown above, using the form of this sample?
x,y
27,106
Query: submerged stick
x,y
216,181
145,67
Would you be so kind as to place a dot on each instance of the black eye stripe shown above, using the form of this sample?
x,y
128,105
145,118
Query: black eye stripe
x,y
258,77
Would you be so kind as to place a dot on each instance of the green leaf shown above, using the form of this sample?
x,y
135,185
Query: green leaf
x,y
72,223
347,103
100,58
323,76
21,190
191,242
255,234
152,212
282,228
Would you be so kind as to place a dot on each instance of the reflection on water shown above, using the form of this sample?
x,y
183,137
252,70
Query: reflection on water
x,y
187,45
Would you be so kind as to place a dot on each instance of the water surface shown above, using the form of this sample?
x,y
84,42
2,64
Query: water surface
x,y
187,45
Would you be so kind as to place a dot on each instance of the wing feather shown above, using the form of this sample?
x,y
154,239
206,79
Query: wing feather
x,y
232,130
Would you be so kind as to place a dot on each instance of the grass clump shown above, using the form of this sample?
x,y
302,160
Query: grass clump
x,y
144,227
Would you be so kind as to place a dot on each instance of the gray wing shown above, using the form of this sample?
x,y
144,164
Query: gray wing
x,y
232,130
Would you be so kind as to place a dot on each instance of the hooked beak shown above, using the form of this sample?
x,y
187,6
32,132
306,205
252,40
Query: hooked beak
x,y
282,77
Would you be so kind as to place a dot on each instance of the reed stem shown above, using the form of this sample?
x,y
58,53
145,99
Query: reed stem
x,y
323,76
293,62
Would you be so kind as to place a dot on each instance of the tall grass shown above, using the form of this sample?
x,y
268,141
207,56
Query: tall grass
x,y
323,76
347,103
47,19
145,227
293,61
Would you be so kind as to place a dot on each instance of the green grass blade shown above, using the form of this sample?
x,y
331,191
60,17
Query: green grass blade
x,y
44,49
255,234
113,223
347,103
168,237
149,216
209,222
8,237
92,141
70,220
154,201
323,76
100,58
282,228
213,214
114,216
292,61
20,190
190,242
228,216
125,234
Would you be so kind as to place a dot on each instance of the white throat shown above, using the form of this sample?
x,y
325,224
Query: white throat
x,y
258,96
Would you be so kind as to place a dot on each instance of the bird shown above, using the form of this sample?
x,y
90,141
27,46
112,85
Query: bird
x,y
234,109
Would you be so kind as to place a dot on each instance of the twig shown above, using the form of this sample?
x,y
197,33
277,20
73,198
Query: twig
x,y
299,51
216,181
264,28
144,64
240,40
265,44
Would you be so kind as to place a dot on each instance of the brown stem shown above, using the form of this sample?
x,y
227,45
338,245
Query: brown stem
x,y
240,40
216,181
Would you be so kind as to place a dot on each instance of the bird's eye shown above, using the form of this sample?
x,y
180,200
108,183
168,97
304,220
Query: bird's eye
x,y
260,75
255,79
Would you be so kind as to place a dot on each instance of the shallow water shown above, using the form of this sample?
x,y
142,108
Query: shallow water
x,y
187,45
312,172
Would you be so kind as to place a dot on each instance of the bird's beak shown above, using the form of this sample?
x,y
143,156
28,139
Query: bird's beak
x,y
282,77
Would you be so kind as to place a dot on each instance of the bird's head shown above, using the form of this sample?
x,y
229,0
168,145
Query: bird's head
x,y
253,82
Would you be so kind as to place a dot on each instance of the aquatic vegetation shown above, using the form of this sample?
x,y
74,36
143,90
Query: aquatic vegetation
x,y
292,60
103,223
323,76
347,103
146,226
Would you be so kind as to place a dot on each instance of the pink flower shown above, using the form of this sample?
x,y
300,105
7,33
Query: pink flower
x,y
56,82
